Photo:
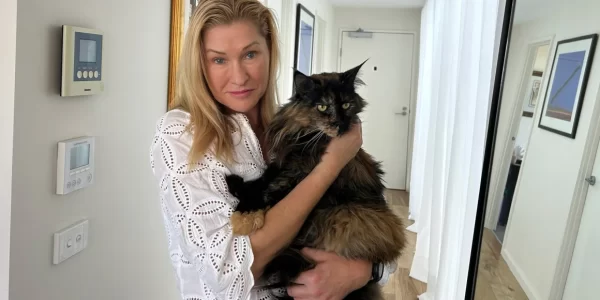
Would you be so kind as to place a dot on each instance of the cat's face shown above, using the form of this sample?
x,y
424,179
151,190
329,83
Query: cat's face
x,y
329,100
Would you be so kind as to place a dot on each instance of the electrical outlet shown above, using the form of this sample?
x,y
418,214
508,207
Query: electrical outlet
x,y
70,241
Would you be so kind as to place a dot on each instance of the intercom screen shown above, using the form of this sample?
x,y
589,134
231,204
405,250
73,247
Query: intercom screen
x,y
87,51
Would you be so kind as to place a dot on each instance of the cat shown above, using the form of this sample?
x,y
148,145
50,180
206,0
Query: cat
x,y
352,218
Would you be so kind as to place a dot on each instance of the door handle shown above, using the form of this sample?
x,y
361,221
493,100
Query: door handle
x,y
591,180
402,113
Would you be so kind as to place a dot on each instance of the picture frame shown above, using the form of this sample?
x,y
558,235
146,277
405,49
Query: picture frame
x,y
567,85
533,93
181,12
304,40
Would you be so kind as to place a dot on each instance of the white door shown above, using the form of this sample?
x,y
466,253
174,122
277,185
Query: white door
x,y
582,281
388,77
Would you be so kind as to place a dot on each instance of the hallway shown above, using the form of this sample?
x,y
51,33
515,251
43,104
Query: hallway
x,y
400,285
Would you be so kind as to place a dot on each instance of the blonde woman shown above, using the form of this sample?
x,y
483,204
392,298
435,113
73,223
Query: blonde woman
x,y
225,98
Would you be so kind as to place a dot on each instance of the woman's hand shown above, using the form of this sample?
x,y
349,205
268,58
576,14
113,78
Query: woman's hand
x,y
333,278
343,148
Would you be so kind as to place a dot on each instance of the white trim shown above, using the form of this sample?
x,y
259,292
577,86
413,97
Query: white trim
x,y
520,276
577,205
319,46
8,31
495,198
413,90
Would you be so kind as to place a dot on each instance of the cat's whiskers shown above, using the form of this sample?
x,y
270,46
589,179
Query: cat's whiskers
x,y
298,136
314,141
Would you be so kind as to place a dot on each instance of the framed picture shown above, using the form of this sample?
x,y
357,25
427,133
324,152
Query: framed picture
x,y
533,93
181,12
567,84
305,33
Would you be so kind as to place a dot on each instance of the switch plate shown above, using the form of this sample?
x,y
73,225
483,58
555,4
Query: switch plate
x,y
70,241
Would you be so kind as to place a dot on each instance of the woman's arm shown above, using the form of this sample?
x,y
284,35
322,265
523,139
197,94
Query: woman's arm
x,y
284,220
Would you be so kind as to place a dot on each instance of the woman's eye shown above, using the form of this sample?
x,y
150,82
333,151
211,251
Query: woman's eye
x,y
346,105
321,107
218,60
251,55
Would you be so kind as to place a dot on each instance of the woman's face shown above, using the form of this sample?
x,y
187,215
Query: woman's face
x,y
237,65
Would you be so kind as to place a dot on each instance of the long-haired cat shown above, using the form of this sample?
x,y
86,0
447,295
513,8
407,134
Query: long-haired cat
x,y
352,218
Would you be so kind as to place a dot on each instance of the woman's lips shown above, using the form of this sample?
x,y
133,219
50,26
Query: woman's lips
x,y
241,93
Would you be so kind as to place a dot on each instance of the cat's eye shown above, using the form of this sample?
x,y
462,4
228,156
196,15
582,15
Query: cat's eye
x,y
322,107
346,105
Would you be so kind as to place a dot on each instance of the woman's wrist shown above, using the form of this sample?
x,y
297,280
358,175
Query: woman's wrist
x,y
328,170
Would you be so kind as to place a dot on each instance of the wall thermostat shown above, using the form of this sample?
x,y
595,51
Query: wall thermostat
x,y
82,72
75,164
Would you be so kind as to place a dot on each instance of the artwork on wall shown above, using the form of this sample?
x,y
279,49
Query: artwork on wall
x,y
533,93
305,32
567,84
181,12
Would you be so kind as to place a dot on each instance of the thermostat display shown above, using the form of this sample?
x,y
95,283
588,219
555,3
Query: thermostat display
x,y
75,164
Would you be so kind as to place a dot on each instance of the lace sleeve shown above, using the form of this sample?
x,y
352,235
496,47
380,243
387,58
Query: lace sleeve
x,y
196,206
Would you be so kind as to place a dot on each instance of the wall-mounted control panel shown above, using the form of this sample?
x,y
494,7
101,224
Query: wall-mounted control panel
x,y
74,164
82,72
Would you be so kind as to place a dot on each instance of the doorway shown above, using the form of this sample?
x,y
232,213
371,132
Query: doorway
x,y
388,76
531,84
583,266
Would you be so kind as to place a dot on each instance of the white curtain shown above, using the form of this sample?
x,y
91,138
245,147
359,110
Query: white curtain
x,y
455,79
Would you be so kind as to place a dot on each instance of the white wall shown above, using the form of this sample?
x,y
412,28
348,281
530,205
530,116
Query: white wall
x,y
547,180
525,126
285,11
8,31
127,255
398,19
401,19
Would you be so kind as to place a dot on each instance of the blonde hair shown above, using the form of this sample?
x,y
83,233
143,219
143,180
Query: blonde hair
x,y
211,127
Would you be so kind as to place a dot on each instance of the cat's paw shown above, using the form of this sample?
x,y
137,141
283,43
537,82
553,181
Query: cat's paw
x,y
234,184
247,223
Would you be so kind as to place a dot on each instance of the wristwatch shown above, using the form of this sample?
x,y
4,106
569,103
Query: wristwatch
x,y
376,272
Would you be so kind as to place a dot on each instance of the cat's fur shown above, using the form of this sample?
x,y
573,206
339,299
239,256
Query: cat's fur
x,y
352,218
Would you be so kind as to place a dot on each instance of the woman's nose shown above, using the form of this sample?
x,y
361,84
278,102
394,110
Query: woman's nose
x,y
239,75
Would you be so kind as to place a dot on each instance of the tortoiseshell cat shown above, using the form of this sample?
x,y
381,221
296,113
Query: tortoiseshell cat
x,y
352,218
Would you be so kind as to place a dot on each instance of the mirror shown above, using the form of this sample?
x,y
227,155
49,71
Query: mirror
x,y
538,234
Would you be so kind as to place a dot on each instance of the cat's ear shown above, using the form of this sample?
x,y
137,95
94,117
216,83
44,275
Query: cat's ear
x,y
350,77
302,83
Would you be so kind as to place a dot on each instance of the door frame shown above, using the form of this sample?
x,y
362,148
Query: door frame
x,y
492,214
8,31
414,82
577,205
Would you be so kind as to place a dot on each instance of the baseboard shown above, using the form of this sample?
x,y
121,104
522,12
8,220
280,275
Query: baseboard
x,y
520,276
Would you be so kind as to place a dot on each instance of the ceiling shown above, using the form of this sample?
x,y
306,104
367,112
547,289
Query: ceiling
x,y
378,3
525,10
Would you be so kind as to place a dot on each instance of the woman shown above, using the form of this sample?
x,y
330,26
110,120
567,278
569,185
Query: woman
x,y
225,98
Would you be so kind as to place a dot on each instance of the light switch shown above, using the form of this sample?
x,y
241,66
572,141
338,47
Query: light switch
x,y
70,241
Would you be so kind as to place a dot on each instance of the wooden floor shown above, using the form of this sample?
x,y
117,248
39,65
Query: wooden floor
x,y
401,286
495,281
